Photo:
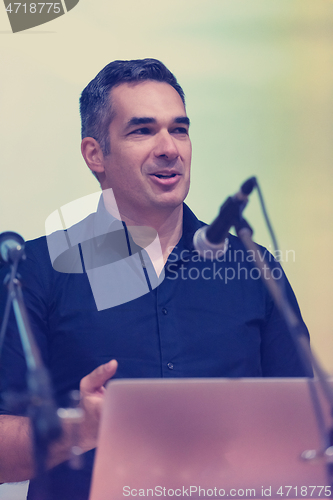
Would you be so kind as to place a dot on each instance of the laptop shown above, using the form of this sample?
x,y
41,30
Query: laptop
x,y
209,438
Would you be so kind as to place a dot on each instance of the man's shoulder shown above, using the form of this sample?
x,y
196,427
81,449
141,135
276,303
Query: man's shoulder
x,y
36,245
53,250
33,249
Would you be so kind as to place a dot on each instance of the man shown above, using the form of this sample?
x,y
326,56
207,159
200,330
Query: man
x,y
135,139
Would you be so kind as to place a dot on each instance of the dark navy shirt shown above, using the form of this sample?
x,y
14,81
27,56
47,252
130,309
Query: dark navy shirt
x,y
204,319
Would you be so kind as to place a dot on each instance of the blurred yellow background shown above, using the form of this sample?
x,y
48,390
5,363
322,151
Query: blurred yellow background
x,y
258,78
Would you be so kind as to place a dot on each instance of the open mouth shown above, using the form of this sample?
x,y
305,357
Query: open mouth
x,y
161,176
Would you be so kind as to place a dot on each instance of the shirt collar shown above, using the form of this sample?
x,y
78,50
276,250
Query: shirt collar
x,y
105,223
185,245
190,225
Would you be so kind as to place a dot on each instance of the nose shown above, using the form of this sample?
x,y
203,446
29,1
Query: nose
x,y
166,146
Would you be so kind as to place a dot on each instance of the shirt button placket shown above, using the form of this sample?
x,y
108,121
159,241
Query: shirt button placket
x,y
168,365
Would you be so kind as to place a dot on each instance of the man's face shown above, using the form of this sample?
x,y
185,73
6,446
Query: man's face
x,y
149,164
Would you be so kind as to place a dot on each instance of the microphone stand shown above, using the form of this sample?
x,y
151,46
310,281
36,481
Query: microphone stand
x,y
297,331
42,410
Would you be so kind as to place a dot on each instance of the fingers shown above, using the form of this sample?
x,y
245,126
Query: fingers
x,y
95,380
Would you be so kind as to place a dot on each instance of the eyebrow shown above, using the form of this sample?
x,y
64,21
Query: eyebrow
x,y
183,119
144,120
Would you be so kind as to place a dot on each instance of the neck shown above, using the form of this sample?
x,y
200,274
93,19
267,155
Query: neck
x,y
168,226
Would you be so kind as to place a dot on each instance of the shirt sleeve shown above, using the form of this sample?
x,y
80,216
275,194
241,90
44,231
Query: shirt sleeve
x,y
280,353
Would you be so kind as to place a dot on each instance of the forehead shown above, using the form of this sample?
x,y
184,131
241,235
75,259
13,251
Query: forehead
x,y
146,99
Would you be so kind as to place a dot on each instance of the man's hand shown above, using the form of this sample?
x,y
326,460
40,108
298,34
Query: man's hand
x,y
92,395
16,457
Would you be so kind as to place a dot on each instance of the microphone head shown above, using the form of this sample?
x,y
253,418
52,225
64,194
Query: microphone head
x,y
247,186
11,247
206,249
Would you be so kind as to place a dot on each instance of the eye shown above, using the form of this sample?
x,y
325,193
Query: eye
x,y
180,130
141,131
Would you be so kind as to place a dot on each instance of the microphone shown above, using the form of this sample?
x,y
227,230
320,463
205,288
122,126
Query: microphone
x,y
212,239
11,247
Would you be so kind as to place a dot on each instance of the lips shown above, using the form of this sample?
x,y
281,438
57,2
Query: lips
x,y
165,178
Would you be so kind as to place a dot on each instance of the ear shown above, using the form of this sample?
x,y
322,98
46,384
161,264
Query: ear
x,y
93,155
